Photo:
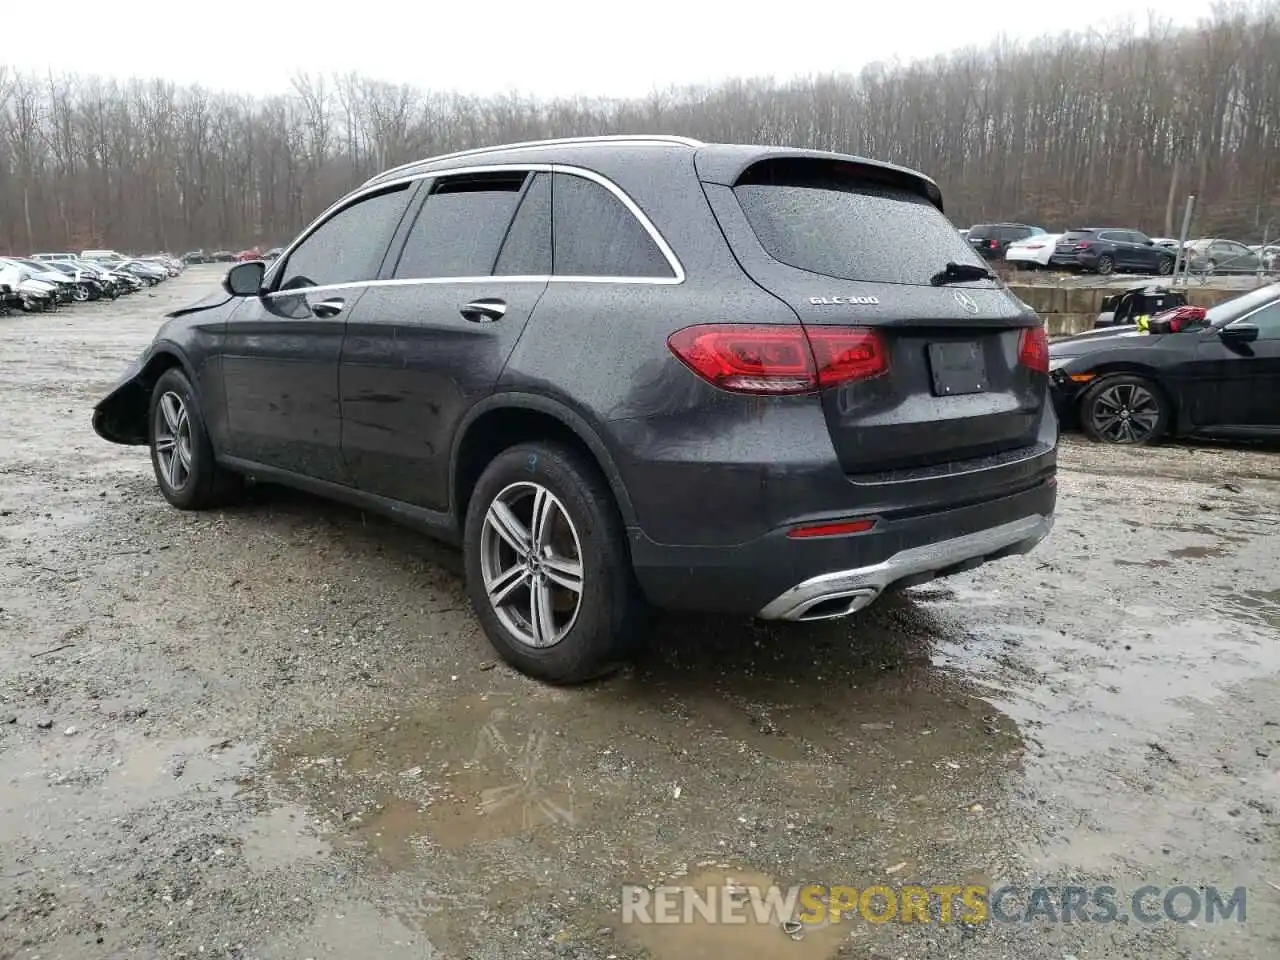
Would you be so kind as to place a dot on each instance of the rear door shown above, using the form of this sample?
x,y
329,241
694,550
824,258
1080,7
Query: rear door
x,y
852,248
430,341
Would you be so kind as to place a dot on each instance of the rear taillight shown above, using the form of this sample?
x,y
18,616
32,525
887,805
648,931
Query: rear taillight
x,y
848,353
1033,349
994,244
1082,246
779,360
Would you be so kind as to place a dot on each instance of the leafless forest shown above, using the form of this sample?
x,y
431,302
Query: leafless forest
x,y
1113,127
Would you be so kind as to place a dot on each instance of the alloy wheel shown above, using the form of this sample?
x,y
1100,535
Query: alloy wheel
x,y
1125,413
80,294
531,562
173,440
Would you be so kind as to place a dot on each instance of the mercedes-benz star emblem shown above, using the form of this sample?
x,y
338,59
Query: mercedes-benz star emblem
x,y
966,301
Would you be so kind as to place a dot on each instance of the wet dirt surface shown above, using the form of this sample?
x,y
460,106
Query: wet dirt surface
x,y
275,730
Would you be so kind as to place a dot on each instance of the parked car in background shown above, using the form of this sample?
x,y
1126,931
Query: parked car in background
x,y
222,256
272,254
1217,375
103,256
1221,256
1033,251
64,287
991,240
29,293
1169,243
1108,250
195,256
251,254
149,273
88,285
871,412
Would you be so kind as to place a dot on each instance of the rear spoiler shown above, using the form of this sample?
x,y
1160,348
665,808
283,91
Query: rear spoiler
x,y
725,165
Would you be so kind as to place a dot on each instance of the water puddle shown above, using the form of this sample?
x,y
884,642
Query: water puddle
x,y
284,837
108,777
351,930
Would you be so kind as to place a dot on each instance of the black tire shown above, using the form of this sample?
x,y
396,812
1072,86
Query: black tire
x,y
1126,409
599,633
1165,267
202,483
1106,264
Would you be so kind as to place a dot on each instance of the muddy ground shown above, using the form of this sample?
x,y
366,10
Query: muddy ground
x,y
275,731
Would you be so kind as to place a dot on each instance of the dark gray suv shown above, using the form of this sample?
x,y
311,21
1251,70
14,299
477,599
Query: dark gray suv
x,y
625,371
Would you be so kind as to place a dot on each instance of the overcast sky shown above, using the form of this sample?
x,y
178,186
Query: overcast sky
x,y
554,49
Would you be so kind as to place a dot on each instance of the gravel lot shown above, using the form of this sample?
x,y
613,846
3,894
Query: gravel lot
x,y
275,731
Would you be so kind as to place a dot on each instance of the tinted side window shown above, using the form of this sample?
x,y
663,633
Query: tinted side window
x,y
527,250
460,227
595,235
350,245
1267,320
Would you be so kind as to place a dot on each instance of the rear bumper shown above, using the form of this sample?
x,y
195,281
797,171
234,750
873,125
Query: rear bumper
x,y
1080,261
845,591
778,577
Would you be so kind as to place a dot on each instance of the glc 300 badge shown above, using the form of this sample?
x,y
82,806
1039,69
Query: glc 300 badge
x,y
833,301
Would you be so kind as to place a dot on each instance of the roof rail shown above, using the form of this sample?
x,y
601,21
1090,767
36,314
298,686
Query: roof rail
x,y
537,144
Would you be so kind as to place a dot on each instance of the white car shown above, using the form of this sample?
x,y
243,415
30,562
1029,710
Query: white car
x,y
34,294
1033,251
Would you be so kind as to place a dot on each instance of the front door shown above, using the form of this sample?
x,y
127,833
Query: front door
x,y
426,346
1236,384
280,355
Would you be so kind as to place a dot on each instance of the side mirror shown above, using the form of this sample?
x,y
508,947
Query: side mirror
x,y
245,279
1239,333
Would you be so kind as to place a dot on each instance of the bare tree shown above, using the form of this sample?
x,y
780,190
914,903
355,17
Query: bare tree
x,y
1111,127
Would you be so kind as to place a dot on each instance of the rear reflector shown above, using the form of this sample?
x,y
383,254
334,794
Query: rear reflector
x,y
780,359
1033,349
831,529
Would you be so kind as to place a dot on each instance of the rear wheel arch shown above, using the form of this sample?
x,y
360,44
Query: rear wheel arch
x,y
504,420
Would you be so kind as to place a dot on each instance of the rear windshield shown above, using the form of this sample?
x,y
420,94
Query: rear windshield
x,y
1077,235
852,229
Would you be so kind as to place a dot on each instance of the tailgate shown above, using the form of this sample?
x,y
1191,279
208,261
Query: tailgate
x,y
862,254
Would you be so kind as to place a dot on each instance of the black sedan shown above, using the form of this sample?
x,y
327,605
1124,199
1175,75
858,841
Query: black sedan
x,y
1217,375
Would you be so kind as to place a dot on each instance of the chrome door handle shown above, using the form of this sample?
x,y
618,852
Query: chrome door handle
x,y
485,310
328,308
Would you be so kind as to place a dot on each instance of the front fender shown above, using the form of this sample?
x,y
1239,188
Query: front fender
x,y
121,415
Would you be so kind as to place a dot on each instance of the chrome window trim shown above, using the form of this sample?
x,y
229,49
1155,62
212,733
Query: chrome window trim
x,y
677,269
637,139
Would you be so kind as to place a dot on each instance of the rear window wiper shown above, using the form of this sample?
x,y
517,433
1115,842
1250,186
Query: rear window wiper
x,y
959,272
